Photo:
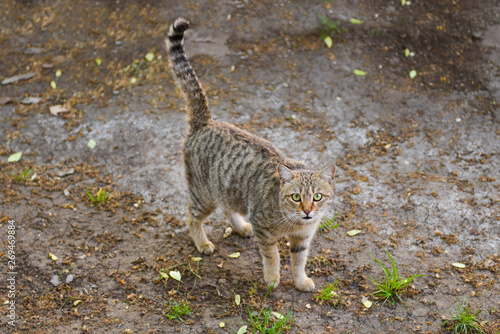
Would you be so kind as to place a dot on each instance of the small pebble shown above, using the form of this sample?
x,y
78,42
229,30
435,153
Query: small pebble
x,y
55,280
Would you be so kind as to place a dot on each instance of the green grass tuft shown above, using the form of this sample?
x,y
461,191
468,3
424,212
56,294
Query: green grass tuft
x,y
267,322
393,285
329,294
178,310
101,196
463,320
22,177
328,224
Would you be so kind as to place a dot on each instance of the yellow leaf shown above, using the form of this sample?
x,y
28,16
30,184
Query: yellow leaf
x,y
352,233
163,275
328,41
278,315
235,255
58,73
53,257
222,324
242,330
359,72
366,302
227,232
77,302
458,265
53,84
237,299
175,275
413,74
98,61
150,56
196,259
15,157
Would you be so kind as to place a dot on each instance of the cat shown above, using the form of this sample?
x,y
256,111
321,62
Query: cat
x,y
260,191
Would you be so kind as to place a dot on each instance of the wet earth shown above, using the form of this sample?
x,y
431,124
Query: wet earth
x,y
415,134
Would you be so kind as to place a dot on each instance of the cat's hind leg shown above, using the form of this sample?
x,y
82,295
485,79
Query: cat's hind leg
x,y
239,224
195,222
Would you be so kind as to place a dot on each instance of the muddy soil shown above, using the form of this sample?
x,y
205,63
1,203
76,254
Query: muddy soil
x,y
418,160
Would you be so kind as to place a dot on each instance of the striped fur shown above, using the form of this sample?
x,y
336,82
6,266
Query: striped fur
x,y
250,179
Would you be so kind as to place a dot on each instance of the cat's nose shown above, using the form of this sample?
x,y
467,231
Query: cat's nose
x,y
307,212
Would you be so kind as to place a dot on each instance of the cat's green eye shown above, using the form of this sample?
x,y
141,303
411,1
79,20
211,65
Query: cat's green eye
x,y
317,197
296,197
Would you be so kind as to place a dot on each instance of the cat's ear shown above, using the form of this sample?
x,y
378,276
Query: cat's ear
x,y
286,175
327,173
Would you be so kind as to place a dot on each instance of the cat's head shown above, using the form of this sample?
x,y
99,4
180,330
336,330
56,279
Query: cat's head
x,y
305,195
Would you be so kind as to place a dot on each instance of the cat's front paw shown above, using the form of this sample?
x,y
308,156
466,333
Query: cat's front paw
x,y
272,280
246,231
206,248
306,285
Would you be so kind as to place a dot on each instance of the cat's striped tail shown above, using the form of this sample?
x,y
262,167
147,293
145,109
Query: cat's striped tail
x,y
198,110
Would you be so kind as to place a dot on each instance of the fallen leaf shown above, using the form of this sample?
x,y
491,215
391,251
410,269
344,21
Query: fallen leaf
x,y
356,190
366,302
352,233
91,144
98,61
196,259
33,51
54,110
150,56
413,74
278,315
407,52
235,255
237,299
359,72
52,257
175,275
458,265
58,73
222,324
163,275
403,2
31,100
4,100
15,157
133,80
77,302
227,232
242,330
16,78
328,41
53,84
356,21
220,265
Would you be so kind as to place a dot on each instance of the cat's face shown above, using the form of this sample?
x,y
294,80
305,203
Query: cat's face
x,y
305,196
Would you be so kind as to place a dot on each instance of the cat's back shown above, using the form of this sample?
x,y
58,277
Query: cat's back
x,y
230,164
228,142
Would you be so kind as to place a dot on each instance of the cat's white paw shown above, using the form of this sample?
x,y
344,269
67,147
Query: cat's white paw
x,y
306,285
272,280
206,248
246,231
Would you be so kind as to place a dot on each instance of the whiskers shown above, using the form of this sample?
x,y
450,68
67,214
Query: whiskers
x,y
285,223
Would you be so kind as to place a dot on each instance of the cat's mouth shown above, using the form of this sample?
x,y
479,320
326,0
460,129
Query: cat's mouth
x,y
307,217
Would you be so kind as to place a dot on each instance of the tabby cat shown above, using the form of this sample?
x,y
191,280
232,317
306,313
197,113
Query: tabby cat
x,y
260,191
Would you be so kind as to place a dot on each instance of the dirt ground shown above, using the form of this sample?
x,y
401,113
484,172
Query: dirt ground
x,y
418,160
